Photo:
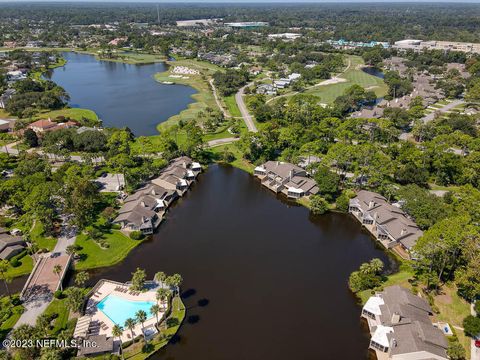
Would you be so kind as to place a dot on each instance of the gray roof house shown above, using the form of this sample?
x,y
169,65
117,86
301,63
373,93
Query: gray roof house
x,y
10,245
401,327
388,223
103,345
287,178
144,210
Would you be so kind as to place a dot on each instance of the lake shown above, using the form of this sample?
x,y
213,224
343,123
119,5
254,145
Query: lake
x,y
263,279
121,94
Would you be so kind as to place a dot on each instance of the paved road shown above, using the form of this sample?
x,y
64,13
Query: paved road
x,y
10,148
474,351
243,109
218,142
448,107
36,304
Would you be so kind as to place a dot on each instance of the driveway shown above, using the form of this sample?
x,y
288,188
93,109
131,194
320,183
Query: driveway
x,y
446,108
218,142
244,111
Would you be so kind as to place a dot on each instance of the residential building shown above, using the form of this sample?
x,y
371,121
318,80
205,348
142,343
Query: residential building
x,y
46,125
266,89
286,178
284,36
401,327
387,222
5,97
10,245
144,210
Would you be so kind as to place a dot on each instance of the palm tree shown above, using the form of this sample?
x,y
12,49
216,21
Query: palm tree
x,y
376,265
154,310
3,274
141,317
160,277
130,325
81,278
117,331
162,294
57,269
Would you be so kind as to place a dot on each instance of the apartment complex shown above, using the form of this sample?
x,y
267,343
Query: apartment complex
x,y
286,178
144,210
388,223
401,327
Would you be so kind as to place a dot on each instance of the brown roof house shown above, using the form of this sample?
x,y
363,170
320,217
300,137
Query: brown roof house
x,y
401,327
287,178
45,125
387,222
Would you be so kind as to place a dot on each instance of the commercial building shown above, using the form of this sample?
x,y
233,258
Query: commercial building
x,y
419,45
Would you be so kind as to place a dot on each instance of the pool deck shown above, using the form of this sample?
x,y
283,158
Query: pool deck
x,y
102,324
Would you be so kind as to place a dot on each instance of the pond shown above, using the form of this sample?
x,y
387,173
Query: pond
x,y
373,71
262,278
121,94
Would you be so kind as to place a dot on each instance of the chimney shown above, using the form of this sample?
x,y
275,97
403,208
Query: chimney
x,y
143,204
403,232
371,204
395,318
291,174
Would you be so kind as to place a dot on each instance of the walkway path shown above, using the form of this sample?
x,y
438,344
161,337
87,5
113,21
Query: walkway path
x,y
243,109
11,148
217,100
446,108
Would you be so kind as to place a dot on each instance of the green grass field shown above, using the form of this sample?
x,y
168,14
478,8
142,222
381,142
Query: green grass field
x,y
36,234
72,113
58,307
231,105
354,75
96,257
203,98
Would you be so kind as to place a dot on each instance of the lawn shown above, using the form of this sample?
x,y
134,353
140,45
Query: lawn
x,y
136,351
72,113
58,307
453,309
93,256
354,75
36,234
232,106
239,161
10,322
25,267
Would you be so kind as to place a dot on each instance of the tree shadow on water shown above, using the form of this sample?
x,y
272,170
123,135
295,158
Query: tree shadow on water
x,y
203,302
193,319
188,293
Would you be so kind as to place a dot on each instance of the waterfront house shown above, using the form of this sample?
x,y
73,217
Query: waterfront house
x,y
46,125
388,223
10,245
401,327
144,210
287,178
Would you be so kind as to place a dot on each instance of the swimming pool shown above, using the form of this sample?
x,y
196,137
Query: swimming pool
x,y
119,309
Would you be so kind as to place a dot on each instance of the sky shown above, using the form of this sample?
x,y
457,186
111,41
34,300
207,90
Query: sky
x,y
258,1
